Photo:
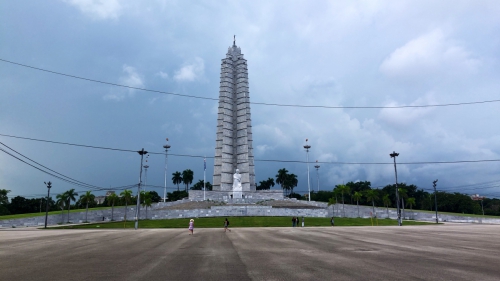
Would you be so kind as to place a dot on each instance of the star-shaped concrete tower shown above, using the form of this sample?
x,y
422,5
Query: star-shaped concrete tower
x,y
233,149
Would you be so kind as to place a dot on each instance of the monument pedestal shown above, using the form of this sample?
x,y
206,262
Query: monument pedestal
x,y
224,196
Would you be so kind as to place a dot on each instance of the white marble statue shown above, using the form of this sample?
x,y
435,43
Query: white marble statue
x,y
237,189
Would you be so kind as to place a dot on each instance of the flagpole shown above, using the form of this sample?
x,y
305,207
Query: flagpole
x,y
204,172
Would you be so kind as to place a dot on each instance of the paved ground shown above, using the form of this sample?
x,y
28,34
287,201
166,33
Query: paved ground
x,y
445,252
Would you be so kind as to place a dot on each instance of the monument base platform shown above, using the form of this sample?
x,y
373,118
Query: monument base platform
x,y
246,196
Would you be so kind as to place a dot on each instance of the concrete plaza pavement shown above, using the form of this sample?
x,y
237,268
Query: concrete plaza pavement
x,y
433,252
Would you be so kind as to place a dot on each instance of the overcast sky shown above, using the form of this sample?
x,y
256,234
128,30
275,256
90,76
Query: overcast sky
x,y
329,53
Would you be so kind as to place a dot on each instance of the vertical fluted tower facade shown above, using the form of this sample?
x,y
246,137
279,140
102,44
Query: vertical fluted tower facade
x,y
233,148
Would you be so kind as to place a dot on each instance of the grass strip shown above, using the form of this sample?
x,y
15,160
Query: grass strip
x,y
217,222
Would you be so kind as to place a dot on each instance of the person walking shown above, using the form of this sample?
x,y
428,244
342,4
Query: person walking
x,y
226,225
191,227
294,221
332,221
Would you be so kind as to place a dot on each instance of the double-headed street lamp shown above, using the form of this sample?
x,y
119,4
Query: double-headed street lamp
x,y
394,155
307,146
141,152
49,185
166,146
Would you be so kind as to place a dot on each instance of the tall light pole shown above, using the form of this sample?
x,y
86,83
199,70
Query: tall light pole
x,y
145,176
307,146
317,172
141,152
49,185
204,172
166,146
435,198
394,155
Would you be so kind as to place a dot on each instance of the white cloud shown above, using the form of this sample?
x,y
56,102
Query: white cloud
x,y
430,54
190,71
162,74
98,9
406,116
132,78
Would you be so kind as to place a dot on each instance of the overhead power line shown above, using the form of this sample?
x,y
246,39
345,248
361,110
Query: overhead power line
x,y
52,172
263,160
256,103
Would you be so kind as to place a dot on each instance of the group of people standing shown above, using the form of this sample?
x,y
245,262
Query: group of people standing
x,y
296,220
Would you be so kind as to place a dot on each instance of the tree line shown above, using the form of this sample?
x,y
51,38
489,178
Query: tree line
x,y
410,197
63,202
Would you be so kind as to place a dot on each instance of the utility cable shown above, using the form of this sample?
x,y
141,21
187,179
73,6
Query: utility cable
x,y
266,160
256,103
89,185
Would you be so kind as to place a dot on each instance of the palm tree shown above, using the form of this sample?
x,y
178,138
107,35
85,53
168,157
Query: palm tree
x,y
291,182
112,199
270,182
187,178
281,177
332,201
356,196
146,197
70,196
127,198
372,195
411,202
61,202
343,188
177,179
387,202
86,198
402,194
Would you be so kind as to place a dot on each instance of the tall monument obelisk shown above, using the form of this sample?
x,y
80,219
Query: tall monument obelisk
x,y
233,149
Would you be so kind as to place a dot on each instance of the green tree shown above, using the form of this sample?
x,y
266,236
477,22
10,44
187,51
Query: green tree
x,y
372,195
187,177
356,196
342,188
112,200
61,203
70,196
86,199
177,179
402,195
411,202
199,185
332,201
155,198
127,198
177,195
359,186
281,178
146,200
291,182
387,202
266,185
4,202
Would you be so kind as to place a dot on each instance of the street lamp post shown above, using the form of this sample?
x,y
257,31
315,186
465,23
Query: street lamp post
x,y
317,172
49,185
394,155
435,198
145,176
307,146
166,146
204,175
141,152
